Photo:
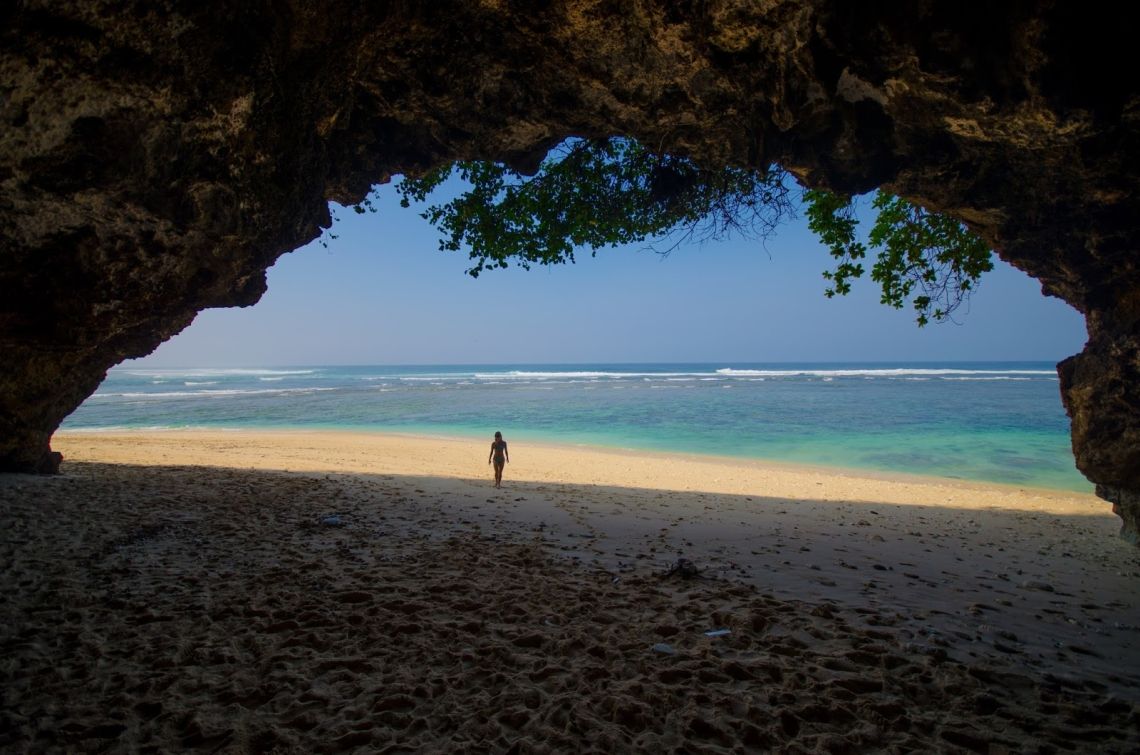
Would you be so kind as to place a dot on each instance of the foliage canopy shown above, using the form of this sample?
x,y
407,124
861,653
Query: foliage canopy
x,y
609,192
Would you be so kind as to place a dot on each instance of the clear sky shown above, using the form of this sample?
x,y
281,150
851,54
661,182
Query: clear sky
x,y
382,293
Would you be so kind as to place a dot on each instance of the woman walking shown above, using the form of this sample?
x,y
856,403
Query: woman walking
x,y
500,456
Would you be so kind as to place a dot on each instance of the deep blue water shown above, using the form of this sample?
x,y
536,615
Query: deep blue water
x,y
989,421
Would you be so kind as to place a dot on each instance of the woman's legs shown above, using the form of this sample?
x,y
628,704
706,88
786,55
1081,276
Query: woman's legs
x,y
498,473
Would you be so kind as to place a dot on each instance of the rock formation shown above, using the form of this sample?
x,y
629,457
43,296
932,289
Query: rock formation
x,y
157,157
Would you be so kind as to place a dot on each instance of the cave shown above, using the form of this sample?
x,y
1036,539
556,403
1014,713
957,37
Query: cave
x,y
156,158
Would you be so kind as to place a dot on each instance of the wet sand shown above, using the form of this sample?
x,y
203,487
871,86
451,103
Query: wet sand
x,y
331,592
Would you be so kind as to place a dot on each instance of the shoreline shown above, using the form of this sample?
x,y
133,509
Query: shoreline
x,y
287,590
832,532
824,470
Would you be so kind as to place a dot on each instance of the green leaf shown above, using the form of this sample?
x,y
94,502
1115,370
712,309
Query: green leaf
x,y
592,194
609,192
917,251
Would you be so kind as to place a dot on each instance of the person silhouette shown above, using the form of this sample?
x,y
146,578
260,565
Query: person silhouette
x,y
500,456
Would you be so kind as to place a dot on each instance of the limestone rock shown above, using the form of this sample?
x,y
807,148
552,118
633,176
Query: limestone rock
x,y
157,157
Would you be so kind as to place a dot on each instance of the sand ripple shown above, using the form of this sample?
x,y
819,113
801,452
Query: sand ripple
x,y
178,609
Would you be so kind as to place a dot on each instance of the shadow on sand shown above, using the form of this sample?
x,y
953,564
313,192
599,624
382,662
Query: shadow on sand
x,y
209,608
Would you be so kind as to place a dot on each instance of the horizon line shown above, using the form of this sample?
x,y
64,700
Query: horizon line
x,y
725,362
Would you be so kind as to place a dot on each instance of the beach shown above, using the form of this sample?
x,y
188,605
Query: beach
x,y
307,591
987,421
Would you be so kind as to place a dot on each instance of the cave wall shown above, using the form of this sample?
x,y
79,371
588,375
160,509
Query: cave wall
x,y
157,157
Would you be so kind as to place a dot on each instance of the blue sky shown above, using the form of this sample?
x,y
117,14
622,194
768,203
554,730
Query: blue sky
x,y
382,293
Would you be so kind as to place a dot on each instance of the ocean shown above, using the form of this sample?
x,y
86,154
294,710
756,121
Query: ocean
x,y
989,421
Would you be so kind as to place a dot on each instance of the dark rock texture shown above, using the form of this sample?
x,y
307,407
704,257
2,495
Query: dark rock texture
x,y
157,157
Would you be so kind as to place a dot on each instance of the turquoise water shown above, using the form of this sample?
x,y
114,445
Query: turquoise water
x,y
990,421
